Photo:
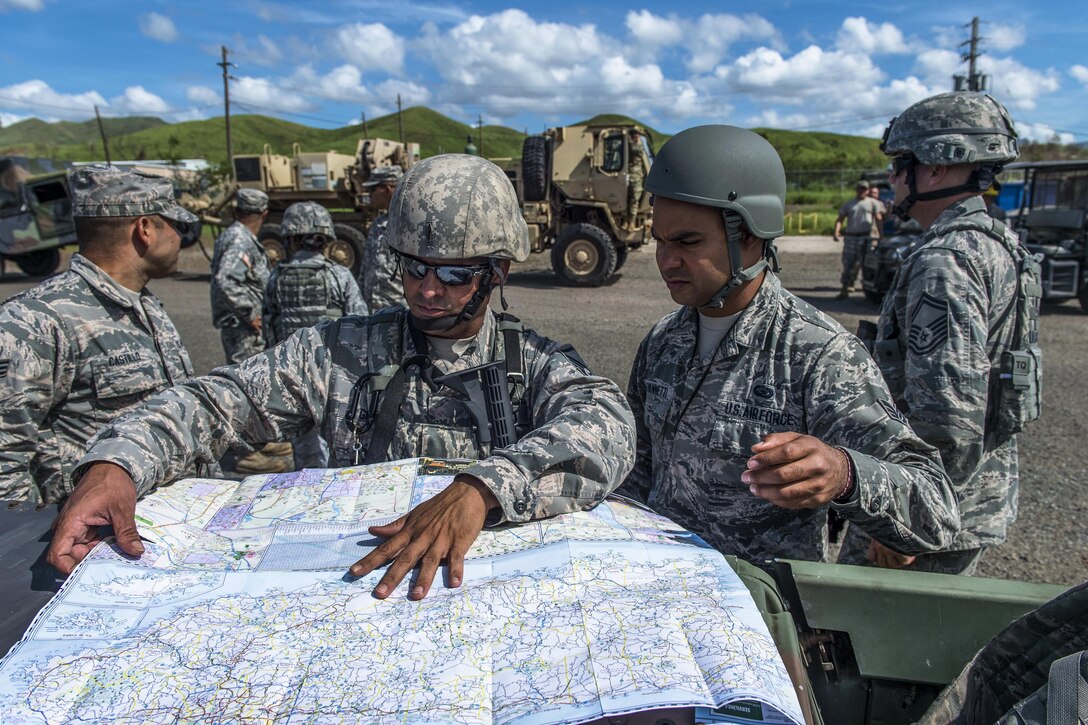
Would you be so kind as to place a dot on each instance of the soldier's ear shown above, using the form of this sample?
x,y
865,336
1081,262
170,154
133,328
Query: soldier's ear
x,y
143,231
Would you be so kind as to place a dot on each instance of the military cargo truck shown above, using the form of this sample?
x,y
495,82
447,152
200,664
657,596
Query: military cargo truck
x,y
35,217
582,199
331,179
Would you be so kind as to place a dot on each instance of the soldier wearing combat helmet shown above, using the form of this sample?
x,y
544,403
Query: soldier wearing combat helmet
x,y
239,276
756,413
303,291
84,346
957,340
372,386
378,278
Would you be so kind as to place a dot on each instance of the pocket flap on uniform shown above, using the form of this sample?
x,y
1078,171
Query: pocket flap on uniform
x,y
125,374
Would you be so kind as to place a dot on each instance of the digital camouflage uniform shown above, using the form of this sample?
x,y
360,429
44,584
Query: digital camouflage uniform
x,y
239,275
78,350
860,215
784,366
380,283
943,328
636,175
575,431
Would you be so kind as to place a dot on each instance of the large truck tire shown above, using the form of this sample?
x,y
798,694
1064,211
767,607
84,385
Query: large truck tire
x,y
347,249
534,168
272,240
584,255
40,263
621,257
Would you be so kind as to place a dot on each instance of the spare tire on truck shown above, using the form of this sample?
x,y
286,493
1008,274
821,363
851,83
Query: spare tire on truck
x,y
534,168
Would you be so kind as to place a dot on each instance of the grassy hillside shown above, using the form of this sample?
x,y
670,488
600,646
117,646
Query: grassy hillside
x,y
34,132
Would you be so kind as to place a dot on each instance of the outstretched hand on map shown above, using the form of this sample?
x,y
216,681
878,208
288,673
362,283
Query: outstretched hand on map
x,y
439,529
104,496
795,471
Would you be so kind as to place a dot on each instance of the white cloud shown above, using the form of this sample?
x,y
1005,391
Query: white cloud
x,y
1016,85
1080,72
7,119
202,95
655,31
1041,132
1002,37
138,101
712,35
37,98
371,47
263,52
859,35
31,5
158,27
265,95
803,78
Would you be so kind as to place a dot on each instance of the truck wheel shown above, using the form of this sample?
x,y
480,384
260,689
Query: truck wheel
x,y
534,168
1083,297
584,255
270,238
621,257
40,263
347,249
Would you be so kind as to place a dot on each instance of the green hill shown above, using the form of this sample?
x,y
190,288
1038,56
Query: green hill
x,y
34,132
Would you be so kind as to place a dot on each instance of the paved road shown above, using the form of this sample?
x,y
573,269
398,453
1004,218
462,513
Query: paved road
x,y
1048,543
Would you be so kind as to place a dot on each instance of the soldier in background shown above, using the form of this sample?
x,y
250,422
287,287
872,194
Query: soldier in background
x,y
957,337
636,173
239,276
370,384
757,413
88,344
378,278
304,291
863,213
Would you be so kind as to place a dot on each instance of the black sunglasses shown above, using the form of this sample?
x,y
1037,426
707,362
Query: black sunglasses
x,y
452,275
902,162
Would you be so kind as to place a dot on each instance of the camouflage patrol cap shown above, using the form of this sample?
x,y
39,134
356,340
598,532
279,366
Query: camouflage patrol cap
x,y
961,127
107,191
861,184
250,201
384,175
726,167
457,206
307,218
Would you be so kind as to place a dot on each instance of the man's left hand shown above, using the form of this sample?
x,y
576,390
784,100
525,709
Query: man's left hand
x,y
795,471
886,558
441,528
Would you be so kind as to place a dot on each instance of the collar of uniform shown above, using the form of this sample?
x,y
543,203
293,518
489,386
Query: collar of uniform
x,y
970,205
480,346
100,281
750,329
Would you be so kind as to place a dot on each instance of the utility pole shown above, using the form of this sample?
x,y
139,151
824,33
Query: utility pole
x,y
102,133
973,81
366,133
224,64
480,135
400,120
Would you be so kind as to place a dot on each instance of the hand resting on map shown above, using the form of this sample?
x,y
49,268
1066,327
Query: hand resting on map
x,y
439,529
104,496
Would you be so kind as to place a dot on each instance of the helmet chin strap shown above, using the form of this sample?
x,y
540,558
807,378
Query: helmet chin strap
x,y
979,181
734,235
481,294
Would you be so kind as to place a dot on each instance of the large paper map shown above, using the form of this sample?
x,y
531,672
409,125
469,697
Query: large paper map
x,y
240,612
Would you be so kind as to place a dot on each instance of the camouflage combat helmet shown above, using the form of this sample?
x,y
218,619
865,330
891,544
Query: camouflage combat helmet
x,y
735,170
457,206
962,127
306,219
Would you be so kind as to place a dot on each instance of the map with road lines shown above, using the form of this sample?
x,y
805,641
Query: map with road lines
x,y
597,613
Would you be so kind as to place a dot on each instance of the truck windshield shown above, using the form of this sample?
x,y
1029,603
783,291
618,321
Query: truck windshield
x,y
1060,189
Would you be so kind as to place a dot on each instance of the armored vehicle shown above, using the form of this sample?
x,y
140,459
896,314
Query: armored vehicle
x,y
35,217
331,179
582,197
1053,222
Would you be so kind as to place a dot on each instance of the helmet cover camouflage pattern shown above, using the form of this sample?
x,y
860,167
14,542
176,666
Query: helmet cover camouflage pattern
x,y
107,191
961,127
457,206
726,167
306,218
250,201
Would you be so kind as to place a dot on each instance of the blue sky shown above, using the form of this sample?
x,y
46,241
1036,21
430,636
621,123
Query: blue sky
x,y
796,64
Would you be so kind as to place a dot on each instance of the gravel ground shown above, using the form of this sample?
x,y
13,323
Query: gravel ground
x,y
1048,542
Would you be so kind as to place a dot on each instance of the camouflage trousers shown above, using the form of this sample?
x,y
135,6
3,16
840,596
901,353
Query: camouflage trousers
x,y
855,547
854,250
240,343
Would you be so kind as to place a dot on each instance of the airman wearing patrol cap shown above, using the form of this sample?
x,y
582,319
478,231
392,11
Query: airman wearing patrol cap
x,y
84,346
378,278
862,215
239,276
456,225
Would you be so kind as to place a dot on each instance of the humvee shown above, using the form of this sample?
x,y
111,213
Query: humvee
x,y
35,217
574,184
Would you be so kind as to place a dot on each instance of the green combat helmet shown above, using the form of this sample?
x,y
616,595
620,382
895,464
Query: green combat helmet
x,y
737,171
308,224
456,207
962,127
